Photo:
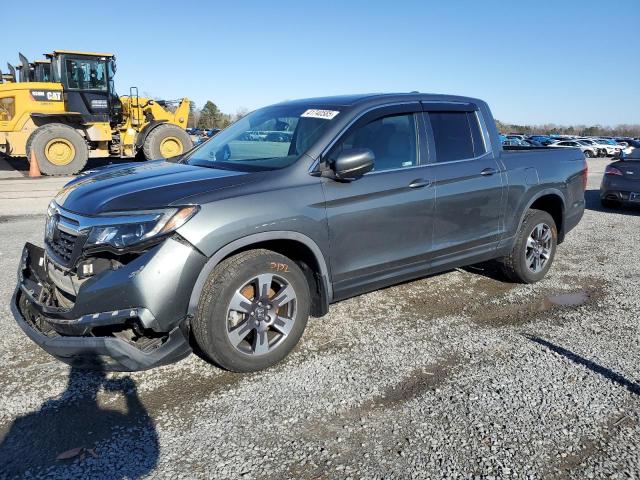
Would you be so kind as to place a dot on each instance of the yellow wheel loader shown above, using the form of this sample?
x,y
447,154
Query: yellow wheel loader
x,y
65,110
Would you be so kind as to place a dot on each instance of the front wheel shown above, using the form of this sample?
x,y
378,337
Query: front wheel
x,y
534,248
253,310
166,141
588,154
58,148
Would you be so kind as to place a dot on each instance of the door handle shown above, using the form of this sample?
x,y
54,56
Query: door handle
x,y
419,183
488,171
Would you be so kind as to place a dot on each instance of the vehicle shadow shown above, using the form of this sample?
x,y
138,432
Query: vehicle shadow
x,y
100,442
591,365
592,202
489,269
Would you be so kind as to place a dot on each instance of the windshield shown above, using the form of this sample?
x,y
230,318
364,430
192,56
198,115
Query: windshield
x,y
86,74
267,139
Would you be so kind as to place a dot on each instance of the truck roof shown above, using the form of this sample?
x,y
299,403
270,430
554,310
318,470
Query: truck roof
x,y
372,99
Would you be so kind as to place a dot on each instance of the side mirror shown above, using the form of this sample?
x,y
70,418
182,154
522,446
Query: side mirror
x,y
353,163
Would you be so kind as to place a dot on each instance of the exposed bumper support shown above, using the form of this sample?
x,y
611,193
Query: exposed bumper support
x,y
92,340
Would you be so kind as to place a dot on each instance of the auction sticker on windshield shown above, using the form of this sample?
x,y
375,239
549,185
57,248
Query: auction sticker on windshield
x,y
315,113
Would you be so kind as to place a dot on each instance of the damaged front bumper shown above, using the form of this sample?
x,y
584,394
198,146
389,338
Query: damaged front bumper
x,y
112,323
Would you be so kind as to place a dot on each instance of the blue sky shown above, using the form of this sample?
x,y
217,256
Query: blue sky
x,y
537,62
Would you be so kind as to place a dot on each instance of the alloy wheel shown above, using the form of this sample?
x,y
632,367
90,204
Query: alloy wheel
x,y
538,249
261,314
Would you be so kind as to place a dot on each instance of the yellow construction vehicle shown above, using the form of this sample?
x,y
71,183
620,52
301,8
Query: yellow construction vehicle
x,y
65,110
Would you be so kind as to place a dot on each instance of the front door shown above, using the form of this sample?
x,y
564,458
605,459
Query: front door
x,y
380,225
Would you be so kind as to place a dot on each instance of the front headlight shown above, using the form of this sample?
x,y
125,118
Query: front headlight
x,y
136,227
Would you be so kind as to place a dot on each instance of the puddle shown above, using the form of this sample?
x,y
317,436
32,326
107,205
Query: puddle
x,y
574,299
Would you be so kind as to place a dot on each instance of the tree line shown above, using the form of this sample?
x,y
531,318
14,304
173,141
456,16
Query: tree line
x,y
623,130
210,116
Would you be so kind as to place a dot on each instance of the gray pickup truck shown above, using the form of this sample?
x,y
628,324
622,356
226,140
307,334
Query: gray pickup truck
x,y
229,249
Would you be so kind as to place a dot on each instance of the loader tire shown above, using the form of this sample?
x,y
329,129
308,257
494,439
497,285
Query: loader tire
x,y
59,149
166,141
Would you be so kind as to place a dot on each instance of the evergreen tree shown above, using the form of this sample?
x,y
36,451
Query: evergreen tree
x,y
211,117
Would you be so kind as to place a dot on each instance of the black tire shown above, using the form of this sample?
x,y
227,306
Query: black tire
x,y
152,147
515,265
606,203
41,141
210,325
588,154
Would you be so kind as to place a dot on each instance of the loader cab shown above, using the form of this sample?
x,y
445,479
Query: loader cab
x,y
87,81
42,71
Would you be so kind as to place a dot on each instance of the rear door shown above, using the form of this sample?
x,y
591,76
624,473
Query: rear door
x,y
380,225
468,184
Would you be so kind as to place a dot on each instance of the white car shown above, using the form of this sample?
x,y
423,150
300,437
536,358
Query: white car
x,y
611,149
626,148
600,151
589,151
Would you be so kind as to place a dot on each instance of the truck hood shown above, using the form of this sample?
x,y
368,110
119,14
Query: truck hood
x,y
139,186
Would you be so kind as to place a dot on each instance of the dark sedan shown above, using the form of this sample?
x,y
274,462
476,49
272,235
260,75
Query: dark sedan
x,y
621,182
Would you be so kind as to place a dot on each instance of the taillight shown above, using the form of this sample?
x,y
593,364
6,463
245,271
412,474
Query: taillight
x,y
612,171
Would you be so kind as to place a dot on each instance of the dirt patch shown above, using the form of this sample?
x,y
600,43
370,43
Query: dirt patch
x,y
178,396
419,382
343,437
587,292
452,293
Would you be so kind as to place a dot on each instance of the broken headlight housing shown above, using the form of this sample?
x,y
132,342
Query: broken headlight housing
x,y
138,227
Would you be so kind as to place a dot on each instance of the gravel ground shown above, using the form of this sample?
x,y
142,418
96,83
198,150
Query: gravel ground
x,y
460,375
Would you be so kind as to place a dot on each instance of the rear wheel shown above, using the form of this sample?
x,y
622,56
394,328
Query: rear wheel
x,y
588,154
58,148
534,248
252,312
166,141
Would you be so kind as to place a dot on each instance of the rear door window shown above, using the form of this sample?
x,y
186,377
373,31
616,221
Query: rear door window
x,y
457,135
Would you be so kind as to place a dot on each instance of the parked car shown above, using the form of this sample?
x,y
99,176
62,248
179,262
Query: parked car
x,y
206,134
610,147
543,139
621,181
588,151
627,146
600,151
511,142
235,244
